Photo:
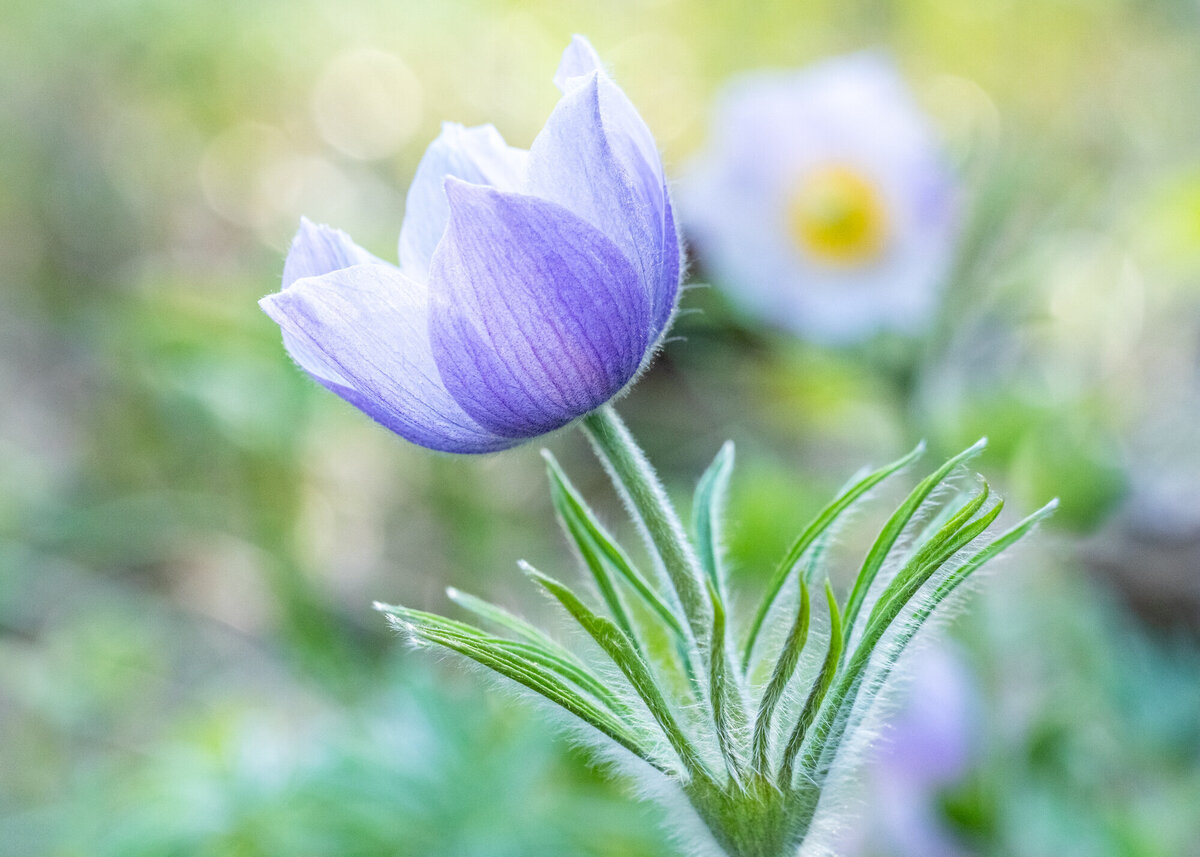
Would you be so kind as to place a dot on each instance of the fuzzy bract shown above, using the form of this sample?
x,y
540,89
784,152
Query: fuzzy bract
x,y
822,203
532,286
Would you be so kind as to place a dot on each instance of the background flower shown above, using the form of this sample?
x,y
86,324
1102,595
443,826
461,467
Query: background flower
x,y
532,286
822,203
928,745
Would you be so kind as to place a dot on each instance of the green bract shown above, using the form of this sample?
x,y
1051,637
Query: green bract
x,y
745,724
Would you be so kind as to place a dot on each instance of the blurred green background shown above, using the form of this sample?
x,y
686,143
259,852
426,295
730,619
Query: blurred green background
x,y
191,532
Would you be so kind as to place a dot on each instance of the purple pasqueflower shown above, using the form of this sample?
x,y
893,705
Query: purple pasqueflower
x,y
532,285
823,203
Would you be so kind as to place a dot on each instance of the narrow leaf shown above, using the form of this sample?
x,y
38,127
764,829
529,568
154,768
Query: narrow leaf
x,y
420,618
789,657
586,547
610,549
620,649
823,522
998,545
833,656
927,605
569,669
500,617
544,651
933,555
729,715
894,527
533,677
924,555
707,509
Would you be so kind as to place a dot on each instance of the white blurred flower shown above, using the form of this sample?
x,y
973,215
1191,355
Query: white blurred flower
x,y
823,203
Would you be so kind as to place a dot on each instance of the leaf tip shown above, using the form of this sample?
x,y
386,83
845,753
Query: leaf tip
x,y
530,572
403,627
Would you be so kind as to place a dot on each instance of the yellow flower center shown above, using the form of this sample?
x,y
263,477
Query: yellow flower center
x,y
837,215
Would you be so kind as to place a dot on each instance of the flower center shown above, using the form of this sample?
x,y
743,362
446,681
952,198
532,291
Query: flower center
x,y
837,215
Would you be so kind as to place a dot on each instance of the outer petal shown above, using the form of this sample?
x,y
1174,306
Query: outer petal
x,y
578,61
478,155
536,317
597,157
362,333
317,250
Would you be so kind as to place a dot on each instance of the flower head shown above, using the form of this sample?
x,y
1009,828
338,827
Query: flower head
x,y
532,285
823,204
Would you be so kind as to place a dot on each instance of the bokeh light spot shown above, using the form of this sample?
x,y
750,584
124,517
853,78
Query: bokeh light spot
x,y
241,178
367,104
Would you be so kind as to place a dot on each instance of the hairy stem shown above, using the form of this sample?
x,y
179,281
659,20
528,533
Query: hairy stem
x,y
639,487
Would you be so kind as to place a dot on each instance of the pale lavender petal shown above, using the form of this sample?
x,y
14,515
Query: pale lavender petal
x,y
317,250
578,61
362,332
477,155
596,157
536,317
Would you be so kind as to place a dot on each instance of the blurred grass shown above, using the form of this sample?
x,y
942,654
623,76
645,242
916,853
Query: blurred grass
x,y
191,532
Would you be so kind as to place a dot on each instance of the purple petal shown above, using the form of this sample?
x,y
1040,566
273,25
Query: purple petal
x,y
362,332
536,317
477,155
596,157
317,250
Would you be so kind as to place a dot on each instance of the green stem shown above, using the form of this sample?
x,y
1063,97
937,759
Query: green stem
x,y
638,484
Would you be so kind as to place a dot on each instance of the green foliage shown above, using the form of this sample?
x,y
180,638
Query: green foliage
x,y
789,657
595,544
707,508
160,455
816,695
810,538
756,801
